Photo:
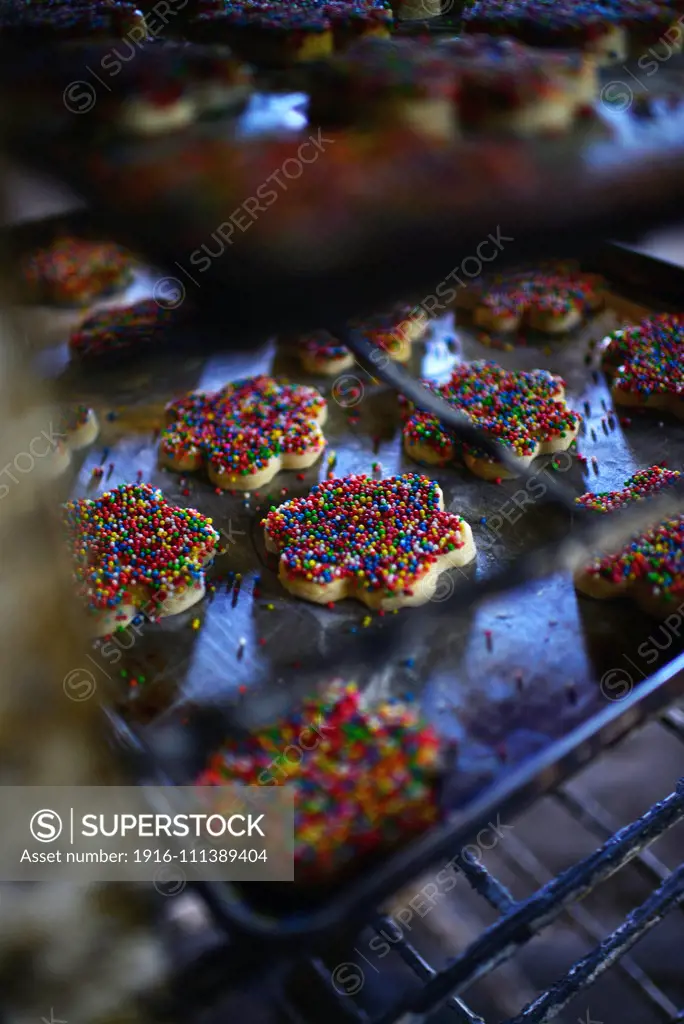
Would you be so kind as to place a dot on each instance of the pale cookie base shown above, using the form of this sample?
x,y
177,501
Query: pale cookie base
x,y
500,323
434,117
329,367
549,323
339,590
253,481
556,114
591,585
142,118
85,434
633,400
610,47
113,620
56,462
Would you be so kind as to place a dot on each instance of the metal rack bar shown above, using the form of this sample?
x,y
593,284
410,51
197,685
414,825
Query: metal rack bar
x,y
500,941
520,856
422,969
589,968
486,885
595,818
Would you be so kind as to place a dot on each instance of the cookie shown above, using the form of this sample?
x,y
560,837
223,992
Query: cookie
x,y
382,542
246,433
393,332
644,484
646,364
649,569
525,411
367,780
134,553
267,35
34,24
77,428
505,86
75,272
609,29
118,329
390,83
552,300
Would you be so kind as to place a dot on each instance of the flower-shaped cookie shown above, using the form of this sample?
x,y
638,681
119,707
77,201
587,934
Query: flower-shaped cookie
x,y
552,300
369,779
525,411
74,271
110,331
644,484
383,542
649,569
245,433
394,332
133,553
647,363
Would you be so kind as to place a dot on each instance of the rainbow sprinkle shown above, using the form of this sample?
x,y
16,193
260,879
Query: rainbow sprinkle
x,y
648,358
385,535
119,327
365,778
73,271
642,485
519,409
130,538
238,431
555,292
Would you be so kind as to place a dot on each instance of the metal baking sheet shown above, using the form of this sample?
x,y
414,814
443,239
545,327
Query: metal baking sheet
x,y
506,679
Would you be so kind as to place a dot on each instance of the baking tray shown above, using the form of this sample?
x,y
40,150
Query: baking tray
x,y
531,683
547,195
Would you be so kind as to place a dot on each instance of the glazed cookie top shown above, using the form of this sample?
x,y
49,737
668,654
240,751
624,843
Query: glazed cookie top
x,y
70,263
519,409
643,484
648,358
556,290
368,778
118,327
384,534
654,559
131,537
240,429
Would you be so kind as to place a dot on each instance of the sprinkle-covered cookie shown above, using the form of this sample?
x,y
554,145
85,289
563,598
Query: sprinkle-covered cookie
x,y
245,433
393,332
525,411
552,300
644,484
646,362
605,28
383,542
74,272
133,553
649,568
42,23
368,779
118,328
